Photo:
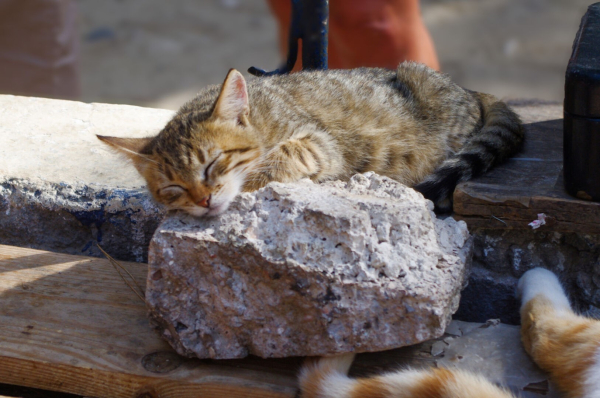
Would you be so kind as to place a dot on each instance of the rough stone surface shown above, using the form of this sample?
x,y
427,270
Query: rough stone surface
x,y
306,269
500,257
62,189
72,218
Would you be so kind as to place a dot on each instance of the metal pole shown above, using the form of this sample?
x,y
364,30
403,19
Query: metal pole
x,y
309,23
314,34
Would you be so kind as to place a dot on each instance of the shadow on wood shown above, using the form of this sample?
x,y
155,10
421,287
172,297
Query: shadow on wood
x,y
69,323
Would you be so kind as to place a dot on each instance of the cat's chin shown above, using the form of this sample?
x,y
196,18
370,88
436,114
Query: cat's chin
x,y
204,212
196,212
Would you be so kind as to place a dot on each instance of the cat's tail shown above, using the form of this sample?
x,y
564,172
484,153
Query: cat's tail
x,y
561,342
500,137
327,378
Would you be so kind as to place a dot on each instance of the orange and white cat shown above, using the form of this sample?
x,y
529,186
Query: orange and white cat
x,y
562,343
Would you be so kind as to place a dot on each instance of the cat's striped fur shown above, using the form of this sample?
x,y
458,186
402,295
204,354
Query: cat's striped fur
x,y
326,378
562,343
413,125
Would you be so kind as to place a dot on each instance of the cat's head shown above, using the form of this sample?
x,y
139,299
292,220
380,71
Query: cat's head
x,y
200,161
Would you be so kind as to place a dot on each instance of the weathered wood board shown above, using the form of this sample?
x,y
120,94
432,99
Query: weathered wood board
x,y
69,323
512,195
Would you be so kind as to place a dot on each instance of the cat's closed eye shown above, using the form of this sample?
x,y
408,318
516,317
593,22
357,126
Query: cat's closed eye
x,y
207,170
172,191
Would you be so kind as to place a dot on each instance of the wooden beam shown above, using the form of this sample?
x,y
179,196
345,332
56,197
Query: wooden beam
x,y
513,194
70,324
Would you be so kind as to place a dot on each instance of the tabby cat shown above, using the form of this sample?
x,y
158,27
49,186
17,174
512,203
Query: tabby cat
x,y
413,125
562,343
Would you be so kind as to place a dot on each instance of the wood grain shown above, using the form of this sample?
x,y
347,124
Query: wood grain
x,y
513,194
69,323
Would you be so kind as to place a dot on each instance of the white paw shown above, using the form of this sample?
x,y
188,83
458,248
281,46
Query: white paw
x,y
540,281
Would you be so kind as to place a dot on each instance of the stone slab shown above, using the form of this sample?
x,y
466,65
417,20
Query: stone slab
x,y
512,195
308,269
62,189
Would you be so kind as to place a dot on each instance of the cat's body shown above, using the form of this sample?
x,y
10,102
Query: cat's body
x,y
413,125
562,343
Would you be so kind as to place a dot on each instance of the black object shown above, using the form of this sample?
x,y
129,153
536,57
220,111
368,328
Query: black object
x,y
309,23
582,111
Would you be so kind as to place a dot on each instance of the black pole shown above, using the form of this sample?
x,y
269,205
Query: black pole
x,y
309,23
314,34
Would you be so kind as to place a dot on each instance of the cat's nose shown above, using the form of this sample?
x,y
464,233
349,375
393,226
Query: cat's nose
x,y
204,202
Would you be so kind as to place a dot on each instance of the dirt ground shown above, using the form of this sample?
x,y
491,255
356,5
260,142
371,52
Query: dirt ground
x,y
157,53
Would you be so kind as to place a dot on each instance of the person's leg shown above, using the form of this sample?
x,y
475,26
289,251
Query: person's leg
x,y
369,33
39,48
282,11
379,33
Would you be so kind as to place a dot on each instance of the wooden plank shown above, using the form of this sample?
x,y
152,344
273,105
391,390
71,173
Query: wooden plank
x,y
551,225
562,215
526,185
70,324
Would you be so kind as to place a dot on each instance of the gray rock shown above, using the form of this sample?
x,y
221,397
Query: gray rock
x,y
306,269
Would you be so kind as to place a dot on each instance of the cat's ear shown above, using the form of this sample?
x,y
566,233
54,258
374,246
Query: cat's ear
x,y
232,103
133,148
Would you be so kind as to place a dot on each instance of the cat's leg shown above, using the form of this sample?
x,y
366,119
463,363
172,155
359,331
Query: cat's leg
x,y
327,378
561,342
308,153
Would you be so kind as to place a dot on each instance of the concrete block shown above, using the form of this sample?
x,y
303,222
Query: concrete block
x,y
62,189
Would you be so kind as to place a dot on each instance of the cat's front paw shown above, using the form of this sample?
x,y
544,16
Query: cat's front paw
x,y
291,161
438,194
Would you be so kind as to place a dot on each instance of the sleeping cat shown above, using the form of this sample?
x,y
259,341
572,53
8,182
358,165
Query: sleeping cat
x,y
413,125
562,343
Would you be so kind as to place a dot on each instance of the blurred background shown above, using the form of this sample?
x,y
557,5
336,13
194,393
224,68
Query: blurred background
x,y
160,53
